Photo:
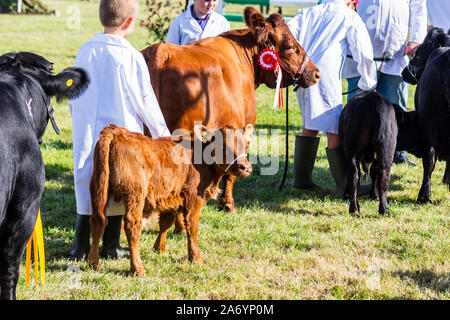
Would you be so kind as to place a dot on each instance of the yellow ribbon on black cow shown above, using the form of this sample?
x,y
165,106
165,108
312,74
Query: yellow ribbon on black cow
x,y
39,255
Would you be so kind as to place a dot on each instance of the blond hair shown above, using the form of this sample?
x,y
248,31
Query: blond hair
x,y
113,13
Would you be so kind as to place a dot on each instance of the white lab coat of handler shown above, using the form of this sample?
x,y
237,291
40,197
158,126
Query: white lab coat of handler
x,y
120,92
184,29
328,32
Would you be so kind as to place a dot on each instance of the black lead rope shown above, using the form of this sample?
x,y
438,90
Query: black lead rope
x,y
286,161
50,110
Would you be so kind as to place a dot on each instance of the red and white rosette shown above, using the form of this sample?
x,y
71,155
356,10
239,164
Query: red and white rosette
x,y
268,59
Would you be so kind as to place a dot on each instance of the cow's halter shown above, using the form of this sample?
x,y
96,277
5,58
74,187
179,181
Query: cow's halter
x,y
50,110
413,74
242,155
295,76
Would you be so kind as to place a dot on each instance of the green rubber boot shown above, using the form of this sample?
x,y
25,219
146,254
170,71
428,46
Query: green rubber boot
x,y
304,159
338,169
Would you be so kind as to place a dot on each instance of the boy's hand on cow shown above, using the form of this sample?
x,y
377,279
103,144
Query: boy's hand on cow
x,y
410,49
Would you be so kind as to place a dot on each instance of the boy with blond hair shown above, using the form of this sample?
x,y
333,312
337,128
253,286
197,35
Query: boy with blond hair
x,y
120,93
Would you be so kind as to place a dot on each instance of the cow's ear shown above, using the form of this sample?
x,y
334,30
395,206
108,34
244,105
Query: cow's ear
x,y
276,20
70,83
252,18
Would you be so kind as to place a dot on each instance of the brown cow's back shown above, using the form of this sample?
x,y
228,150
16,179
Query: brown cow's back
x,y
135,160
207,81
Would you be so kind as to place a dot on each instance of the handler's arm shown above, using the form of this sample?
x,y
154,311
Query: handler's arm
x,y
144,102
360,46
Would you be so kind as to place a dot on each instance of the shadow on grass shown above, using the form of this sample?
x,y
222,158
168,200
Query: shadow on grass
x,y
257,189
426,279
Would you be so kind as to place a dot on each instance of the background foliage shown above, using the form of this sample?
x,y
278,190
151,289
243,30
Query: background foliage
x,y
160,14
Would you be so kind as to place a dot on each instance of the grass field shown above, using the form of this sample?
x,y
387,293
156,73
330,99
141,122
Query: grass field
x,y
277,245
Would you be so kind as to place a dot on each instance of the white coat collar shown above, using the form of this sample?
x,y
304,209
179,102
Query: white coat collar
x,y
189,16
111,40
334,1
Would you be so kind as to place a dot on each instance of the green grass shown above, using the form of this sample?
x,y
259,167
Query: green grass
x,y
277,245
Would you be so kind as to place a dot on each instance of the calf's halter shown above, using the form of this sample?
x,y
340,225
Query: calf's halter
x,y
50,110
242,155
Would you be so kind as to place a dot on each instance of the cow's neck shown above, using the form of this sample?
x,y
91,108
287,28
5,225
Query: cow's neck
x,y
245,45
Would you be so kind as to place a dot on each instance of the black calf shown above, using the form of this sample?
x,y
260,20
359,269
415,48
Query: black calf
x,y
26,85
368,133
430,69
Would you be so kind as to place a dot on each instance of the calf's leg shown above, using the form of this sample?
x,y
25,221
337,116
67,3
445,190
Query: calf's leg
x,y
179,223
192,222
166,220
429,161
133,227
352,185
97,227
375,191
384,177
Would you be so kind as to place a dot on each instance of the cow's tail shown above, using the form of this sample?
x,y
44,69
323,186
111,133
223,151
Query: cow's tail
x,y
100,175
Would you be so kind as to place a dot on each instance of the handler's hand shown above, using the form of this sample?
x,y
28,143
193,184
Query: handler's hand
x,y
410,49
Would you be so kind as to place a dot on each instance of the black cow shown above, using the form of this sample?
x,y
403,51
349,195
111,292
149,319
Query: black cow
x,y
26,85
368,133
430,70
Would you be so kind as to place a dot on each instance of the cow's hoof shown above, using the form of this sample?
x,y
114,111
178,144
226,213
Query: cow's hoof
x,y
423,200
227,207
355,214
179,231
137,271
93,263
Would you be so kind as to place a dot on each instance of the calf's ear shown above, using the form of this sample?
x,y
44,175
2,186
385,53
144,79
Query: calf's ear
x,y
70,83
248,132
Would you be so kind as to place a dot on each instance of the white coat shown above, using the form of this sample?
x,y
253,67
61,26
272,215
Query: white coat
x,y
119,92
328,32
388,23
185,29
439,13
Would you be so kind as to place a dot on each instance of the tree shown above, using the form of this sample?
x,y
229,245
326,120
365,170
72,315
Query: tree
x,y
28,6
160,15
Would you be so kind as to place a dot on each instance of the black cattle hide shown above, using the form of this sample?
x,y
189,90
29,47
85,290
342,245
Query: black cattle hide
x,y
26,86
430,69
368,133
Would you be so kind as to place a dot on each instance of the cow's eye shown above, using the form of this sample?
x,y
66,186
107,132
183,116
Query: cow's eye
x,y
288,47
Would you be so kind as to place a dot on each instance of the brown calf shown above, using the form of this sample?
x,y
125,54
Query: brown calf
x,y
161,175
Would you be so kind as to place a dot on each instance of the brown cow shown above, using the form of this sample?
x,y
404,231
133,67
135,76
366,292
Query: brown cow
x,y
213,80
160,175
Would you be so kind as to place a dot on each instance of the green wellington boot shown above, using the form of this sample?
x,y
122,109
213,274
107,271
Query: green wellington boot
x,y
304,159
336,161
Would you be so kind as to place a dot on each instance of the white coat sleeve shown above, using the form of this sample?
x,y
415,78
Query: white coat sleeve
x,y
360,46
145,104
294,25
173,36
417,20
